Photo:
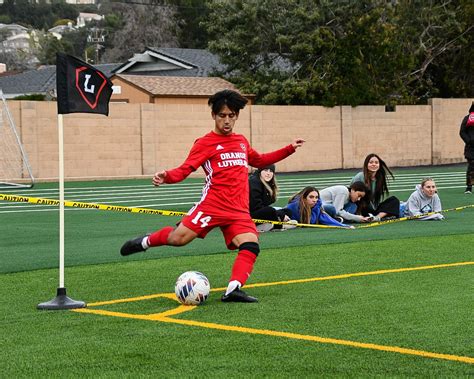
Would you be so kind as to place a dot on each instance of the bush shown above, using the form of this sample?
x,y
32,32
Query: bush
x,y
33,97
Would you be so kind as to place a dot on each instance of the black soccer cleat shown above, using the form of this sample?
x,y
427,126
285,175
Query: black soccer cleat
x,y
238,296
133,246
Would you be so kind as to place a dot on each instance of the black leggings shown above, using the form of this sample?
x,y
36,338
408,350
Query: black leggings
x,y
391,206
271,214
470,172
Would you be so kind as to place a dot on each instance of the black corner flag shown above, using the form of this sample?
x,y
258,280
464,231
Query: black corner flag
x,y
80,87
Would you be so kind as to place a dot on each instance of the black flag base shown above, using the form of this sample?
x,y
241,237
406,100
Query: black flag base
x,y
61,301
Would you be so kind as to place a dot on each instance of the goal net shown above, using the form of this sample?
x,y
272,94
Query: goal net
x,y
15,170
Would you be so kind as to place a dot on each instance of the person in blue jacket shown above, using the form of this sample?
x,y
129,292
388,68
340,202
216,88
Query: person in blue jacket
x,y
306,208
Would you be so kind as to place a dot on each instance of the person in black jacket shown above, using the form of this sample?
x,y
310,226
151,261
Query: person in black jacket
x,y
467,134
263,193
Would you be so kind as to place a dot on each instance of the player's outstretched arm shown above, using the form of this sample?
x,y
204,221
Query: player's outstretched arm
x,y
298,143
159,178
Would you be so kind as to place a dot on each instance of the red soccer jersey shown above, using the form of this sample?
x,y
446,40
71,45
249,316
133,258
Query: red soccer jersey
x,y
225,160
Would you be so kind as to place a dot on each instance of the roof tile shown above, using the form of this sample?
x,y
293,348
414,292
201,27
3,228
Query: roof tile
x,y
179,86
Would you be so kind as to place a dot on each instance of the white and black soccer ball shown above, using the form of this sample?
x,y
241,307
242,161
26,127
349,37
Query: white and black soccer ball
x,y
192,288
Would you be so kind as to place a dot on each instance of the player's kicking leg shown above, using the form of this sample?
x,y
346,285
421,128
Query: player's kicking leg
x,y
166,236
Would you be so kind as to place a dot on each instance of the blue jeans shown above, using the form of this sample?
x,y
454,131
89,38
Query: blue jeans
x,y
331,209
351,207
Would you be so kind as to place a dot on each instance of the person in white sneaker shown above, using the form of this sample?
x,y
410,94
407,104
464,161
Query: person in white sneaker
x,y
375,174
224,156
424,199
342,201
263,193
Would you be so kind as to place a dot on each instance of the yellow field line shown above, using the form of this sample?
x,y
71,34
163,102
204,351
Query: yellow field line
x,y
286,282
165,316
358,274
231,328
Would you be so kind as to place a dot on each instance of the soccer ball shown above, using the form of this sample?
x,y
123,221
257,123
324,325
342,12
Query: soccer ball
x,y
192,288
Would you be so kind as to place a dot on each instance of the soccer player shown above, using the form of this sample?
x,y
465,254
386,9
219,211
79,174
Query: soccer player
x,y
224,156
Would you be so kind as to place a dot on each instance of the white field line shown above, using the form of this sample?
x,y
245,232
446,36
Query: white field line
x,y
194,196
331,180
160,198
169,191
132,202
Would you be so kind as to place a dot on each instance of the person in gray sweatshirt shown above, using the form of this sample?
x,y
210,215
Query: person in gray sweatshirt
x,y
341,201
424,199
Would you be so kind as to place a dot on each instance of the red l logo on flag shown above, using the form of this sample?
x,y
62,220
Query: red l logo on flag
x,y
90,84
80,87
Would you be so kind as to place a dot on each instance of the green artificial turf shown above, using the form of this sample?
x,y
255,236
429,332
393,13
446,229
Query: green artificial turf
x,y
426,310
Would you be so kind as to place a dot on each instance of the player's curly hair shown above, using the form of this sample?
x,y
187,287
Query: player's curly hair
x,y
234,101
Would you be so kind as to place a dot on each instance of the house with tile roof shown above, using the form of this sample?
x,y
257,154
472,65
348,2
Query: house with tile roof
x,y
160,75
166,89
172,62
153,63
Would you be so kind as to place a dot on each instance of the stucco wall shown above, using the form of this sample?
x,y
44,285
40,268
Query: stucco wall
x,y
447,116
139,139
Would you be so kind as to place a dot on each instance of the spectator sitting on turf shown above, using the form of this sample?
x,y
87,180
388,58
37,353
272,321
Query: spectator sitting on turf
x,y
263,192
374,175
306,208
341,201
424,199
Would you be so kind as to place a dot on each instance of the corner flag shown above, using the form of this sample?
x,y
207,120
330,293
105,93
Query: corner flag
x,y
80,87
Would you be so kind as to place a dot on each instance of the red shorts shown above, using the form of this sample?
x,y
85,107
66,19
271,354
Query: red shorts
x,y
202,221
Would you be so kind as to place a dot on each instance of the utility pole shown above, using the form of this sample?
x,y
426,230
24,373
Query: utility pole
x,y
96,37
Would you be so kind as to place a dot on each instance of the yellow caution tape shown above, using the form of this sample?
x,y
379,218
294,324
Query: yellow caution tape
x,y
378,223
78,204
119,208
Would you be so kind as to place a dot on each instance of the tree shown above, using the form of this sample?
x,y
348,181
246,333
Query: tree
x,y
14,61
333,52
38,15
142,26
49,46
452,69
189,17
77,40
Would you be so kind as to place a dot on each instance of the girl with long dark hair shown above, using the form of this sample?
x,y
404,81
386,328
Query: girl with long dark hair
x,y
375,176
306,207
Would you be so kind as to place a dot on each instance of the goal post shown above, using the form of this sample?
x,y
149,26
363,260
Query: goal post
x,y
15,170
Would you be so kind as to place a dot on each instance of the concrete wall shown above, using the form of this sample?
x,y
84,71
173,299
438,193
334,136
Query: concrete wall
x,y
139,139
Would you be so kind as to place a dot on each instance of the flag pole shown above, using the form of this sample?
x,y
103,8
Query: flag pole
x,y
61,301
80,88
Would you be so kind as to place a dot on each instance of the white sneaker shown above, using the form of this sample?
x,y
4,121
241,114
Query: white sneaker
x,y
266,227
291,225
374,218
